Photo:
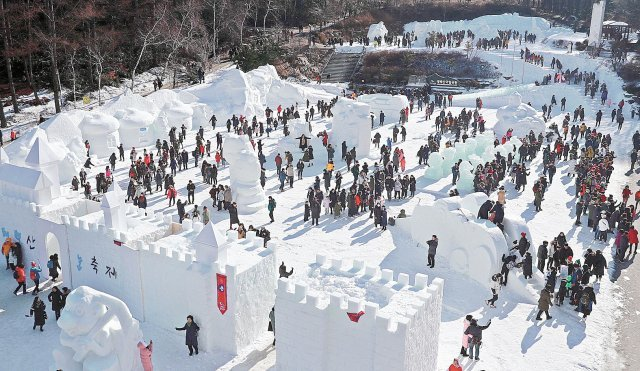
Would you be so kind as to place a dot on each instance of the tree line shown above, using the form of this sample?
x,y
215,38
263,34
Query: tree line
x,y
83,45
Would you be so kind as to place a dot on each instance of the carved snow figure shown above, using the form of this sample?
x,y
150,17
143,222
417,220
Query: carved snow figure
x,y
98,333
244,174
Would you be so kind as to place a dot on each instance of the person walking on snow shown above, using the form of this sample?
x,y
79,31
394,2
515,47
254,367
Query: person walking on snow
x,y
20,277
145,354
271,206
191,329
431,254
544,302
38,312
495,289
34,274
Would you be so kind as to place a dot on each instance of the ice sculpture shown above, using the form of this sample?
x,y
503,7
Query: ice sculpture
x,y
435,169
244,174
98,333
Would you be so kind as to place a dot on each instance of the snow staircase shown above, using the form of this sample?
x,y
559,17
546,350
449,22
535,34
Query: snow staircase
x,y
341,67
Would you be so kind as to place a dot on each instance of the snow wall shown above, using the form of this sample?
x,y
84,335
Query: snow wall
x,y
329,340
352,124
472,247
387,103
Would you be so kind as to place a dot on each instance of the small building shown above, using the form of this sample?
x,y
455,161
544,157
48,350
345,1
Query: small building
x,y
615,30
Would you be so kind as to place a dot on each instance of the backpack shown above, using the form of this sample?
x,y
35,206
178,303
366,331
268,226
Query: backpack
x,y
50,264
585,299
15,275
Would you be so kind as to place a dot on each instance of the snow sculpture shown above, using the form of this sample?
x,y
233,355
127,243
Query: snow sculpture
x,y
101,130
231,93
397,326
43,158
201,115
178,114
476,252
211,246
518,116
136,128
61,127
352,124
377,30
129,100
98,333
387,103
244,174
298,128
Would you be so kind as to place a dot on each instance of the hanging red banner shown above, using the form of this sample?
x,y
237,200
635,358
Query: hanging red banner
x,y
222,292
355,317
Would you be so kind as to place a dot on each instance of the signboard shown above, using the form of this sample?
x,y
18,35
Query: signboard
x,y
86,99
437,80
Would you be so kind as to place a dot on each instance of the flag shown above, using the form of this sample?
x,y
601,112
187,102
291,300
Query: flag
x,y
355,317
221,283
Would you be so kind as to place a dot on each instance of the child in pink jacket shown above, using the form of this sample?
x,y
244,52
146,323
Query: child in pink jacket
x,y
145,355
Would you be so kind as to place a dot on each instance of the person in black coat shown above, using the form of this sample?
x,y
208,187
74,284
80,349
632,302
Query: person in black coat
x,y
233,215
192,329
527,268
483,213
57,301
599,265
315,212
38,312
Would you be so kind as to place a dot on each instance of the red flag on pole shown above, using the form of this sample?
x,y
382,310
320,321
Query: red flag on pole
x,y
222,292
355,317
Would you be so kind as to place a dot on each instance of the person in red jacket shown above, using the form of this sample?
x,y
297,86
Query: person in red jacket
x,y
626,192
633,240
21,278
455,366
171,195
637,197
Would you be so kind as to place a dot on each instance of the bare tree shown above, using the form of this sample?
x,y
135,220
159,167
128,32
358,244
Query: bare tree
x,y
150,34
7,53
180,30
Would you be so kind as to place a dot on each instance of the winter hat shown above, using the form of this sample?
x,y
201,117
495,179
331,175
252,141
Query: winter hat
x,y
523,234
33,264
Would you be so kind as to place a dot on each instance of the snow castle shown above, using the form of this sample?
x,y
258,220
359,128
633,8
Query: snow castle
x,y
389,325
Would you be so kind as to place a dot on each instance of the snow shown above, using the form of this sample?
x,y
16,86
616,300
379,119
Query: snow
x,y
98,333
101,130
136,128
351,124
377,30
161,270
389,104
518,116
244,174
483,27
397,330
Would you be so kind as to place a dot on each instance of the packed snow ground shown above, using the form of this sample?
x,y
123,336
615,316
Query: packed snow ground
x,y
515,341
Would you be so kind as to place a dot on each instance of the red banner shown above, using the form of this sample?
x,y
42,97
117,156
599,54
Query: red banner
x,y
222,292
355,317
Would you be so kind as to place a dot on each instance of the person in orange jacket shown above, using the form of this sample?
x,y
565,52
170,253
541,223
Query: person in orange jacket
x,y
21,278
455,365
6,249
